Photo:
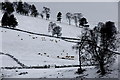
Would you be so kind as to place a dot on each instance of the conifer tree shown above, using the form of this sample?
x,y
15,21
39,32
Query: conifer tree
x,y
12,21
5,19
59,16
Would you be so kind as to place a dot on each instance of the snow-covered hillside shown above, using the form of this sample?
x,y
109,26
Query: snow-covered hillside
x,y
34,50
41,26
38,50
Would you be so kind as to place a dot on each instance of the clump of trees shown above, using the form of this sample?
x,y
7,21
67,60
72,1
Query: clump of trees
x,y
54,29
77,18
26,9
100,44
8,18
20,7
7,7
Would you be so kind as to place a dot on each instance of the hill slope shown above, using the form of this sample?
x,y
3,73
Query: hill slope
x,y
33,50
38,50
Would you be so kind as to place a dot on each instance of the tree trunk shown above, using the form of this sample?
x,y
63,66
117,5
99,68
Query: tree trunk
x,y
69,22
80,60
102,67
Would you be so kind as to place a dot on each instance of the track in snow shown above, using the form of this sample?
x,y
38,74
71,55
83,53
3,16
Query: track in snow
x,y
15,59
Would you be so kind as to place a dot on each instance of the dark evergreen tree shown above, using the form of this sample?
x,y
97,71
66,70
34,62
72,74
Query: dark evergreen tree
x,y
19,8
82,22
12,21
5,19
59,16
8,7
34,12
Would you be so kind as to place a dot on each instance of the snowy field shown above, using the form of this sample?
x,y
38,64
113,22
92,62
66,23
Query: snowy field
x,y
38,49
34,50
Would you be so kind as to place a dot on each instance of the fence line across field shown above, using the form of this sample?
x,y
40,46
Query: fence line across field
x,y
39,33
67,39
34,67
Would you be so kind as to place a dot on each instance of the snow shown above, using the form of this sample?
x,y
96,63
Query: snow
x,y
41,26
6,61
28,48
57,73
47,73
34,50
